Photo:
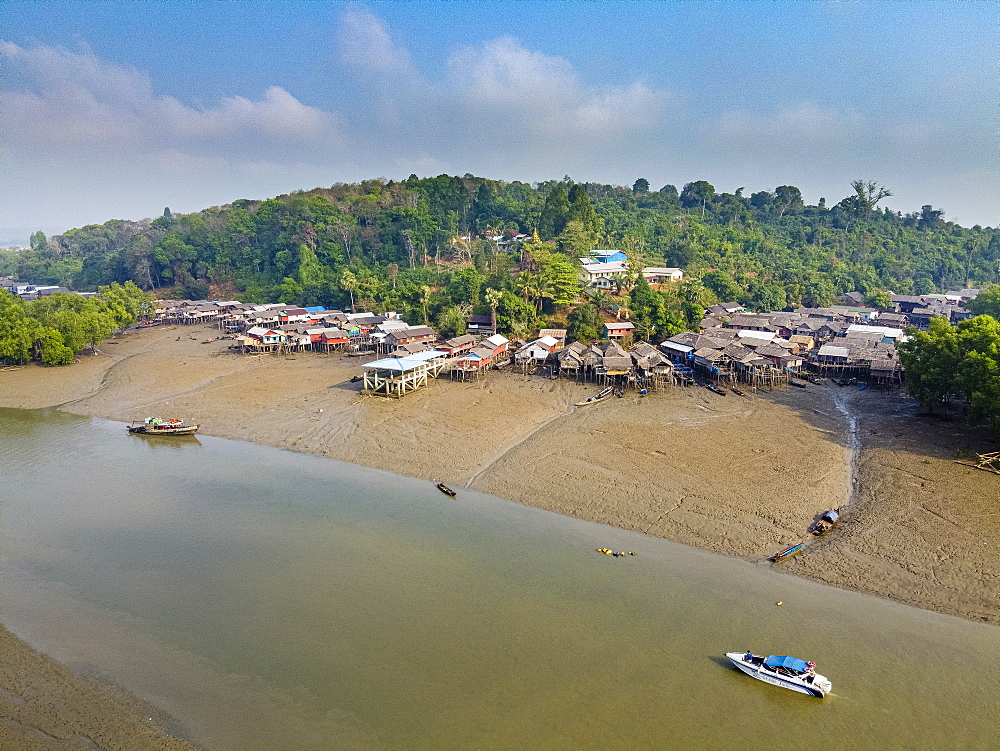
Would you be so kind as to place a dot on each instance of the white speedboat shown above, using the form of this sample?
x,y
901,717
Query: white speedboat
x,y
787,672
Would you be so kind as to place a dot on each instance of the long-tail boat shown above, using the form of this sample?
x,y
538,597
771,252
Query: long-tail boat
x,y
604,394
156,426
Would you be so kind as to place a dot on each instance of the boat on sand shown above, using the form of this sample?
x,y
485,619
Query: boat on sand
x,y
604,394
787,672
445,489
157,426
783,554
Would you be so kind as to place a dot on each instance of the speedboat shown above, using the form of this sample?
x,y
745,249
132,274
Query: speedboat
x,y
787,672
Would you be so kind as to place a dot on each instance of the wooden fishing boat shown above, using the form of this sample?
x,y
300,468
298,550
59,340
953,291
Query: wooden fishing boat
x,y
715,389
445,489
604,394
737,392
826,522
790,551
156,426
799,384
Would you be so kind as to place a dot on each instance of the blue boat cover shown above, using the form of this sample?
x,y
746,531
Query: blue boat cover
x,y
792,663
830,516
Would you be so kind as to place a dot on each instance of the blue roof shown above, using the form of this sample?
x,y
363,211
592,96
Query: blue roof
x,y
792,663
315,309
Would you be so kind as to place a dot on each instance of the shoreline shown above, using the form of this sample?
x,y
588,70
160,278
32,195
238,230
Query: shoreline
x,y
741,477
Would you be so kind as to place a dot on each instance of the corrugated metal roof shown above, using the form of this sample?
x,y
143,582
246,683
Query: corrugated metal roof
x,y
828,350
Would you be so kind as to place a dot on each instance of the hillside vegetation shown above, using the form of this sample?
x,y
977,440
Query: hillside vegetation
x,y
421,247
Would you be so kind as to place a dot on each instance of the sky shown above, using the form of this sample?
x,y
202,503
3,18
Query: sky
x,y
118,110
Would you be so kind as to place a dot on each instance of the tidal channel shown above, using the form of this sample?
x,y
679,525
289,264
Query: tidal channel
x,y
266,599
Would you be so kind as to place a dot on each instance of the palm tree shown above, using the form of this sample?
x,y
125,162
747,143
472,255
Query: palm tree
x,y
349,282
600,300
425,296
493,298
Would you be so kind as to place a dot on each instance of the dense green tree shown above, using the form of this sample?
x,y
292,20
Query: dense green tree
x,y
987,303
697,195
641,185
555,213
584,324
956,361
581,210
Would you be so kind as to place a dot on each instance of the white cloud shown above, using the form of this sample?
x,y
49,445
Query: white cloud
x,y
56,98
542,97
366,45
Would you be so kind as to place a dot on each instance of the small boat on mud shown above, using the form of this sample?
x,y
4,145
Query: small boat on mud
x,y
445,489
787,672
799,384
783,554
825,522
715,389
156,426
604,394
737,391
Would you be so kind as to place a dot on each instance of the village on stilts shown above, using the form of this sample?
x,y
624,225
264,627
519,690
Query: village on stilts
x,y
734,348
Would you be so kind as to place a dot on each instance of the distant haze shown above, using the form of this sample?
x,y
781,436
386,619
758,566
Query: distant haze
x,y
113,110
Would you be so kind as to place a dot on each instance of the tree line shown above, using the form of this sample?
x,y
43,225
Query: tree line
x,y
420,246
54,329
959,362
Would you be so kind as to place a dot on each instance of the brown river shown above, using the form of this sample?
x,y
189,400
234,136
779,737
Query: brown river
x,y
271,600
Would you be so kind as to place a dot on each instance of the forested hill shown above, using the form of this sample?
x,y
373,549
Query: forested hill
x,y
421,245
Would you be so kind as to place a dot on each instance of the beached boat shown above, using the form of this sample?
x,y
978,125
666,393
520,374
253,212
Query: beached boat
x,y
737,391
715,389
825,522
604,394
156,426
782,554
445,489
800,384
787,672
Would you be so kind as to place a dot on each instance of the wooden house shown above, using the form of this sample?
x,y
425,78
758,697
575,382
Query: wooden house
x,y
479,324
537,351
410,335
458,345
558,334
498,343
571,357
334,338
266,335
618,329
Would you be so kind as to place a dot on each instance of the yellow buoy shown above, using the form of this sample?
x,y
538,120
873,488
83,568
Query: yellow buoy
x,y
779,603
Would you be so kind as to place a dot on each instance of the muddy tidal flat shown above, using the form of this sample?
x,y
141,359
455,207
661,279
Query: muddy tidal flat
x,y
741,477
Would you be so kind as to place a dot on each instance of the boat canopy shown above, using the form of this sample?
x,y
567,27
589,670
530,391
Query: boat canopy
x,y
792,663
830,516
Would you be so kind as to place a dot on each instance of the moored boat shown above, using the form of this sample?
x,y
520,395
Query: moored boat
x,y
604,394
787,672
782,554
737,391
715,389
156,426
825,522
800,384
445,489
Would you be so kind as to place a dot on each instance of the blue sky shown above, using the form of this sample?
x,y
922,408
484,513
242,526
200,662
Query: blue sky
x,y
115,110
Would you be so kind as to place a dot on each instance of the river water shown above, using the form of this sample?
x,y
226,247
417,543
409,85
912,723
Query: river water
x,y
271,600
